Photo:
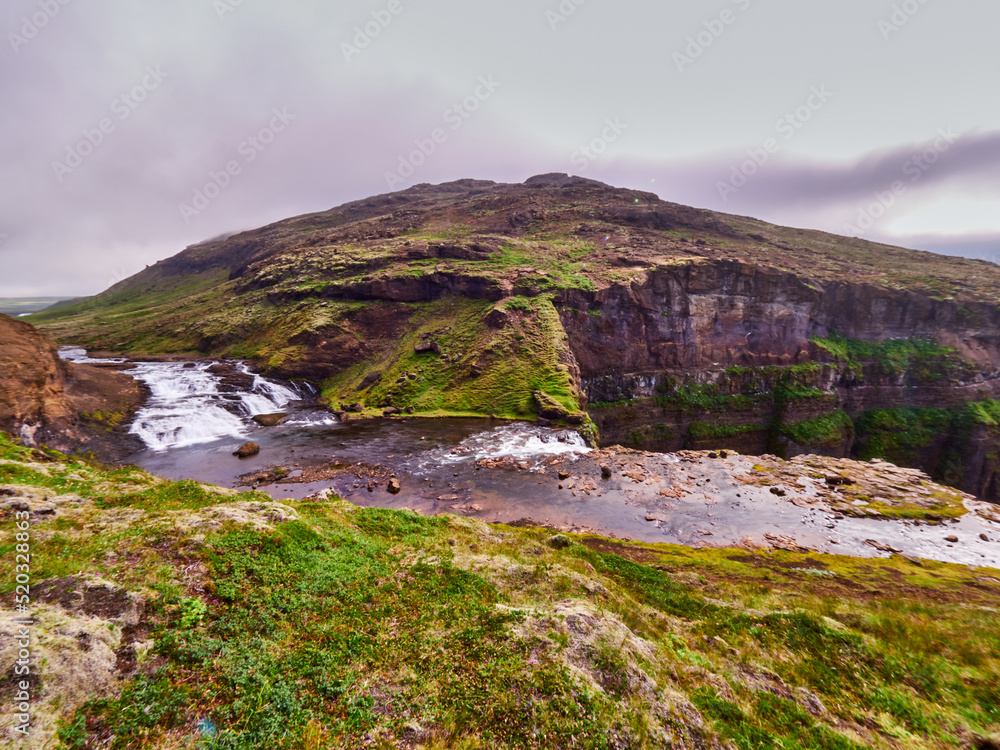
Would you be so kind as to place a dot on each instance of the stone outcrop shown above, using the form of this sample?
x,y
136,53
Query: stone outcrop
x,y
247,450
696,316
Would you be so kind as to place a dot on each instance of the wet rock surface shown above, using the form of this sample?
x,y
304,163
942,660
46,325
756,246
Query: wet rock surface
x,y
247,449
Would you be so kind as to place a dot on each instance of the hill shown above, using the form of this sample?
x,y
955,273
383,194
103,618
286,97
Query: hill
x,y
655,325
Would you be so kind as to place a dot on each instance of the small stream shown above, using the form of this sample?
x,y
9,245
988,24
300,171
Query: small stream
x,y
200,412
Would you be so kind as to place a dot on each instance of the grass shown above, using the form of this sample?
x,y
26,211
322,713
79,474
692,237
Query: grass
x,y
349,627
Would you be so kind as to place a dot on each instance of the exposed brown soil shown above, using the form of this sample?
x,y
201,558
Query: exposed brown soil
x,y
74,595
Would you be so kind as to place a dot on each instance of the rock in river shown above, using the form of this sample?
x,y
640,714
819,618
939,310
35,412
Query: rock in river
x,y
248,449
270,420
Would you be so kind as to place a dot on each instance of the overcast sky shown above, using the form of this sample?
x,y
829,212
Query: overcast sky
x,y
130,130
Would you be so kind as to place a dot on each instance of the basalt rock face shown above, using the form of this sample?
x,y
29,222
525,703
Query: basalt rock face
x,y
679,327
47,401
700,316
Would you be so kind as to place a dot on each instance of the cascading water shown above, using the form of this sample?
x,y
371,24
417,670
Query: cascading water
x,y
187,406
517,440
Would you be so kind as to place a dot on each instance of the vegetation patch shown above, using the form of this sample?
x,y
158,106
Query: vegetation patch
x,y
481,368
901,435
907,361
829,430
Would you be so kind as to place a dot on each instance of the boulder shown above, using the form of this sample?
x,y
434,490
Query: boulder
x,y
428,346
394,486
248,449
269,420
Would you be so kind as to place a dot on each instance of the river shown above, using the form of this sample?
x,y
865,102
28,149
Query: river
x,y
503,472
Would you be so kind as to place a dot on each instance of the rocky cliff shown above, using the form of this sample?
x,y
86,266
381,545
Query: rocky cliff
x,y
46,401
677,327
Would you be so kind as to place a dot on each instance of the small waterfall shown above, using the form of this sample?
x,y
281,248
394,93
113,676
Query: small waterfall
x,y
187,407
266,396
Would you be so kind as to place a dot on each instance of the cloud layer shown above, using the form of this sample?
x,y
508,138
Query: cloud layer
x,y
132,130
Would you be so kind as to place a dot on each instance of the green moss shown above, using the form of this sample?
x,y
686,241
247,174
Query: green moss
x,y
915,361
827,430
899,435
943,505
980,413
612,404
520,304
709,397
706,431
105,418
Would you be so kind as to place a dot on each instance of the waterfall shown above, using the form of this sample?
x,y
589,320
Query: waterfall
x,y
186,405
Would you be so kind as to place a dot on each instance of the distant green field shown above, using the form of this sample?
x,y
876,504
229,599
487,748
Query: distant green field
x,y
21,305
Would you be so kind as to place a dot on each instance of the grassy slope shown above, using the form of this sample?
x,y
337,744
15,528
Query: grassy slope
x,y
319,624
482,370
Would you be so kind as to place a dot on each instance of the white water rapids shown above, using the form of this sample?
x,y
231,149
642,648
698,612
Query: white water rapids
x,y
187,406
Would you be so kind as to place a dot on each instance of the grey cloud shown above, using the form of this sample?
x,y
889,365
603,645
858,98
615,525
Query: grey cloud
x,y
120,209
